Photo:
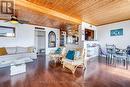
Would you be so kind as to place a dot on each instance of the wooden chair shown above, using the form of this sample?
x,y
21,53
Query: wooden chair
x,y
73,64
57,57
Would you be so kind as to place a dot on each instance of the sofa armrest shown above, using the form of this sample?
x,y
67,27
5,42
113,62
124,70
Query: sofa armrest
x,y
34,50
52,52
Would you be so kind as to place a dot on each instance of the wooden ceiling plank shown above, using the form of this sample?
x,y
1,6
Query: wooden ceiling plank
x,y
83,6
103,8
46,11
93,7
109,12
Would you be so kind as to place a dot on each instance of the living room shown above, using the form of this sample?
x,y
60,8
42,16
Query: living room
x,y
72,43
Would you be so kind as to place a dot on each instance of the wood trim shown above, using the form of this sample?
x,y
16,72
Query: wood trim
x,y
47,11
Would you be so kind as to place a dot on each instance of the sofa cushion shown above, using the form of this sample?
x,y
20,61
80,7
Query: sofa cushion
x,y
11,50
21,50
77,54
3,51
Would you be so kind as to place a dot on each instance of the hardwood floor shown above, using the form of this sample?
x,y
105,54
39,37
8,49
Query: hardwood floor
x,y
42,73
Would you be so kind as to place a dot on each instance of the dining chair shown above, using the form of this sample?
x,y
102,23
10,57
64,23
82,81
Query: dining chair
x,y
102,52
128,56
121,56
110,52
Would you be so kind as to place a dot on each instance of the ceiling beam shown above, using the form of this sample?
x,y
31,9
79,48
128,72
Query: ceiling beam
x,y
47,11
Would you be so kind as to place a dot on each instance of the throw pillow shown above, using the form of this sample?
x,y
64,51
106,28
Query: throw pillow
x,y
77,54
70,55
30,49
58,51
3,51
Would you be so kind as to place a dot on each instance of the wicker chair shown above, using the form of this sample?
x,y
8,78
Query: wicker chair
x,y
57,57
73,64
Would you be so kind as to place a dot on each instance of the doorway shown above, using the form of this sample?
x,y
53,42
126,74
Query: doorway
x,y
40,41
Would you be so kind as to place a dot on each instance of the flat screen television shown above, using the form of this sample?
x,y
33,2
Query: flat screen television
x,y
89,35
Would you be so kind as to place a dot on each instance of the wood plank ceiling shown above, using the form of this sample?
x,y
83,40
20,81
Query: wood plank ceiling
x,y
37,18
97,12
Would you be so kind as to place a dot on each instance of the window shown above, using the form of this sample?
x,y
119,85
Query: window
x,y
7,31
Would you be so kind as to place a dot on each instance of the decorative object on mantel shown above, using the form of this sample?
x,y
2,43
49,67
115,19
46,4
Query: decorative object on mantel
x,y
72,34
51,39
7,31
117,32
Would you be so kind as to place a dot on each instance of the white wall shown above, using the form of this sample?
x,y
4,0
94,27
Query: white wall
x,y
47,31
57,32
87,26
24,35
82,28
120,41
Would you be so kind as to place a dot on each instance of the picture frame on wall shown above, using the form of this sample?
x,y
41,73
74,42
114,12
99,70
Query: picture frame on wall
x,y
7,31
116,32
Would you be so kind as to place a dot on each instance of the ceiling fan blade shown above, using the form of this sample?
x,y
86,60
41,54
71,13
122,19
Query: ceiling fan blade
x,y
23,22
5,20
14,17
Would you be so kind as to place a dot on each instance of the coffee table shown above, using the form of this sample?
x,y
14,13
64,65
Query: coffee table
x,y
19,66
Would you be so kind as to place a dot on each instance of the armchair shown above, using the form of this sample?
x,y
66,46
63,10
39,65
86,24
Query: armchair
x,y
73,64
57,56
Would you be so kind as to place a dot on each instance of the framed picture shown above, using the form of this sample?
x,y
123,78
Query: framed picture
x,y
7,31
7,6
116,32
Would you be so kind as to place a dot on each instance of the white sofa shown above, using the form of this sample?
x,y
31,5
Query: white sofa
x,y
16,53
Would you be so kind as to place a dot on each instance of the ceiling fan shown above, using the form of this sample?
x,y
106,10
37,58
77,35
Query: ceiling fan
x,y
14,19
